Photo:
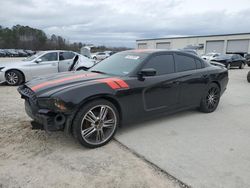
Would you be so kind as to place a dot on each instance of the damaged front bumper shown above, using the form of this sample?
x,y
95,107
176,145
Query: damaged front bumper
x,y
47,119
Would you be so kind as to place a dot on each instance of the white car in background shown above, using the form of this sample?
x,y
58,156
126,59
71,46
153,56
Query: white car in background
x,y
210,56
100,55
42,63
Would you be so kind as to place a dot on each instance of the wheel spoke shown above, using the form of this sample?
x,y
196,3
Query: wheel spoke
x,y
88,132
91,117
103,113
109,123
100,135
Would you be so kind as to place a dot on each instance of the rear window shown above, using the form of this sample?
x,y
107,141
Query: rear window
x,y
185,63
66,55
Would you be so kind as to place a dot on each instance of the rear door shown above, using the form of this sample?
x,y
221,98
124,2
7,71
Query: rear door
x,y
65,61
48,65
192,79
161,91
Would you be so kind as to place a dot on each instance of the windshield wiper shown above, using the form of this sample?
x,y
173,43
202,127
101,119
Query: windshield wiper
x,y
96,71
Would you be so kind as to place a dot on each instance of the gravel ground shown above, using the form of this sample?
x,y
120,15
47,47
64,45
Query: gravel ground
x,y
32,158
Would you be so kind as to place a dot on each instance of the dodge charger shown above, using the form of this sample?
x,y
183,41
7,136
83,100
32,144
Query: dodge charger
x,y
126,87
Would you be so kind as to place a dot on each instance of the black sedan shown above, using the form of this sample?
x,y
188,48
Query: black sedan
x,y
231,60
126,87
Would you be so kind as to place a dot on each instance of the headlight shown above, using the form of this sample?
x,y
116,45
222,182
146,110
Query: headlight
x,y
50,103
1,68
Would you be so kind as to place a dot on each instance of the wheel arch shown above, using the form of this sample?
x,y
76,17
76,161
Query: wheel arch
x,y
107,97
217,83
13,69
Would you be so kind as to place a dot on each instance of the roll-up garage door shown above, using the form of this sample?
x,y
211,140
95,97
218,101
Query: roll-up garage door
x,y
237,46
163,45
142,45
215,46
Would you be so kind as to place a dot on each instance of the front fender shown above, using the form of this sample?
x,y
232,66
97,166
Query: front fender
x,y
76,96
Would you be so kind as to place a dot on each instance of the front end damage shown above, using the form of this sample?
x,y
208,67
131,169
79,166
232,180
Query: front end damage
x,y
43,118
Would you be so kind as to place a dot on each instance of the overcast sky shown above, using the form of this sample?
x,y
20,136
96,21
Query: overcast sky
x,y
121,22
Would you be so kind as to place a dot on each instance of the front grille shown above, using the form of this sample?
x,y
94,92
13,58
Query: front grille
x,y
27,93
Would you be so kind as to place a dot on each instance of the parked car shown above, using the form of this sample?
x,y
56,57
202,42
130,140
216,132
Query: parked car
x,y
11,53
100,56
231,60
2,53
42,63
92,104
192,51
210,56
21,53
30,52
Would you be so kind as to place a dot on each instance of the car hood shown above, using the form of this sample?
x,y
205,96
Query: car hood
x,y
10,63
47,85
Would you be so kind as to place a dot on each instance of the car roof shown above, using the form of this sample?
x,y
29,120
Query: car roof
x,y
56,51
152,51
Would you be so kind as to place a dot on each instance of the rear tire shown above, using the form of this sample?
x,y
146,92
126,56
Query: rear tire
x,y
242,65
248,77
211,99
96,123
14,78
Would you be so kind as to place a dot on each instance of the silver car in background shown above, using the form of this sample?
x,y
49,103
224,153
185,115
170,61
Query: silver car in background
x,y
42,63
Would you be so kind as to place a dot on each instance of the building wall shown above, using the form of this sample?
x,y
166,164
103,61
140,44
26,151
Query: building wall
x,y
176,43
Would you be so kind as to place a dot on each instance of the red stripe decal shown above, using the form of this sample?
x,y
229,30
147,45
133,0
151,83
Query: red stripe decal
x,y
114,83
121,83
61,80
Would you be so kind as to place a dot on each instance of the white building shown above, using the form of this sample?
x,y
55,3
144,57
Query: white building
x,y
228,43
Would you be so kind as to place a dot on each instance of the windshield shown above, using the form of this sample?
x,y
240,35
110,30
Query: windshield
x,y
31,58
119,64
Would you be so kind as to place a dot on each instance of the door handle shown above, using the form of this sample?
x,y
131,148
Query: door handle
x,y
167,84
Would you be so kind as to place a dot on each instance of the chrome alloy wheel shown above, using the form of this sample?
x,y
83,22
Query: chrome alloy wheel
x,y
212,98
98,124
11,78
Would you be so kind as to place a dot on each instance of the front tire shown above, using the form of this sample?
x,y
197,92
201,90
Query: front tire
x,y
14,78
211,99
96,123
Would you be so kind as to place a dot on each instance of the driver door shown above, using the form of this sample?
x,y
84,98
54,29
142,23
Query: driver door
x,y
48,64
162,90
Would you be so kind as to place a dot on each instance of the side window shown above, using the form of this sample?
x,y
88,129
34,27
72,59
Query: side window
x,y
163,64
234,57
199,64
66,55
50,57
185,63
239,56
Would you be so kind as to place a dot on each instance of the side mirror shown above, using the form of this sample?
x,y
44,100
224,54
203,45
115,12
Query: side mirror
x,y
146,72
38,60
